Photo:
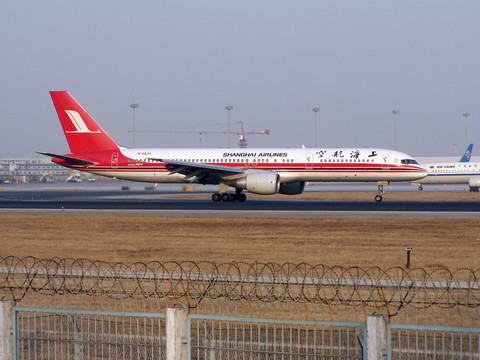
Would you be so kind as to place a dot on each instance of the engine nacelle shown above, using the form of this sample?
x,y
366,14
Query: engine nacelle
x,y
292,188
263,183
474,183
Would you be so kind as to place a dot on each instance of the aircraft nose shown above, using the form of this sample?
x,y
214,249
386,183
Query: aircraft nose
x,y
422,172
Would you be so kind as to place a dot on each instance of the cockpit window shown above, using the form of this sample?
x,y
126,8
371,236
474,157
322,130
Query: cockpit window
x,y
409,161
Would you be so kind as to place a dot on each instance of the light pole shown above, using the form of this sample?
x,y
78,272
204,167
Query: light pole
x,y
466,115
395,112
316,110
133,106
228,108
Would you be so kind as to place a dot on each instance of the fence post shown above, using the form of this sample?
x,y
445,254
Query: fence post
x,y
77,337
177,322
6,327
376,337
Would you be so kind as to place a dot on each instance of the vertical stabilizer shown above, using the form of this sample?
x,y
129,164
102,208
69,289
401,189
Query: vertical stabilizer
x,y
83,134
468,154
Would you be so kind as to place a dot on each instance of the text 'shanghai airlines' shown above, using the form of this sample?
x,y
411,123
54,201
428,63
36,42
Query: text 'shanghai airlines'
x,y
259,171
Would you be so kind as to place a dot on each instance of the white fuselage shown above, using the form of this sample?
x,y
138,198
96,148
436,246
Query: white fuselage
x,y
346,164
450,173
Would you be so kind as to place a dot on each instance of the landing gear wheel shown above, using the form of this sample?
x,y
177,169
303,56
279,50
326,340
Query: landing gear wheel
x,y
241,197
420,188
378,198
228,197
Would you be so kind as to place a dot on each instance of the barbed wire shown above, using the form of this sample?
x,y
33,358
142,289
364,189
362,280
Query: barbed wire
x,y
280,286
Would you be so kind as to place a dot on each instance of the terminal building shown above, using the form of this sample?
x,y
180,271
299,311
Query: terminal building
x,y
24,170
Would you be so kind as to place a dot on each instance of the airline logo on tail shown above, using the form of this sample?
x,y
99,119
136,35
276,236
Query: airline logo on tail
x,y
79,124
467,155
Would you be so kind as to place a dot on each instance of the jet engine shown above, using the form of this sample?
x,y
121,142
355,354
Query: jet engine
x,y
263,183
474,183
292,188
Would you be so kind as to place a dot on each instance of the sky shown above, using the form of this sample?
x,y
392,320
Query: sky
x,y
183,62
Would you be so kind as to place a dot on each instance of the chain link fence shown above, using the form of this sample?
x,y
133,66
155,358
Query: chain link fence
x,y
259,308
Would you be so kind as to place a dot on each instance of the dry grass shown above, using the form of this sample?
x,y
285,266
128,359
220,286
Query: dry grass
x,y
348,242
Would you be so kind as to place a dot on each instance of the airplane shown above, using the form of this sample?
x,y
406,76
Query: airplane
x,y
451,173
259,171
462,172
467,154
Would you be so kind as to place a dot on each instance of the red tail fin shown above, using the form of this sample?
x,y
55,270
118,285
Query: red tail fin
x,y
82,132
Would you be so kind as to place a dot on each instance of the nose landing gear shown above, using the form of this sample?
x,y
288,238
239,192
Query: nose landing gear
x,y
380,192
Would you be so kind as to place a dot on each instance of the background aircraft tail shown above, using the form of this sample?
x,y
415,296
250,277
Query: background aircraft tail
x,y
468,154
83,134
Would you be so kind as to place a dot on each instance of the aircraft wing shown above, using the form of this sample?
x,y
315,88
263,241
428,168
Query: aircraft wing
x,y
68,158
195,172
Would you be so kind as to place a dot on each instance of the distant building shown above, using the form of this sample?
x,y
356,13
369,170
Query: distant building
x,y
31,170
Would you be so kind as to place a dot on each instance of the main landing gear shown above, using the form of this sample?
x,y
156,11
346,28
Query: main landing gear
x,y
222,195
229,197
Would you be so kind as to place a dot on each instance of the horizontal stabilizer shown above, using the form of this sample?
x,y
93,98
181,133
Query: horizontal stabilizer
x,y
68,158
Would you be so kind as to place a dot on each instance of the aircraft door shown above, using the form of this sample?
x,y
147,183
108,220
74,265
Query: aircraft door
x,y
114,160
385,161
309,161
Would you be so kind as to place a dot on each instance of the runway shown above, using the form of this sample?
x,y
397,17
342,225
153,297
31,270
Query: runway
x,y
113,200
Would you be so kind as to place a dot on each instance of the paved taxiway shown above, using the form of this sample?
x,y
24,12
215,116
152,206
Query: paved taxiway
x,y
137,201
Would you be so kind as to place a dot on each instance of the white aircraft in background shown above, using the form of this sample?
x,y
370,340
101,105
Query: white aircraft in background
x,y
463,172
259,171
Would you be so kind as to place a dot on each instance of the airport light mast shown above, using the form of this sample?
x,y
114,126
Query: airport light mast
x,y
228,108
133,106
395,112
316,110
466,115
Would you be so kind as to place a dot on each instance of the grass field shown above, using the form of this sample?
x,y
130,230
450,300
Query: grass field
x,y
348,242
